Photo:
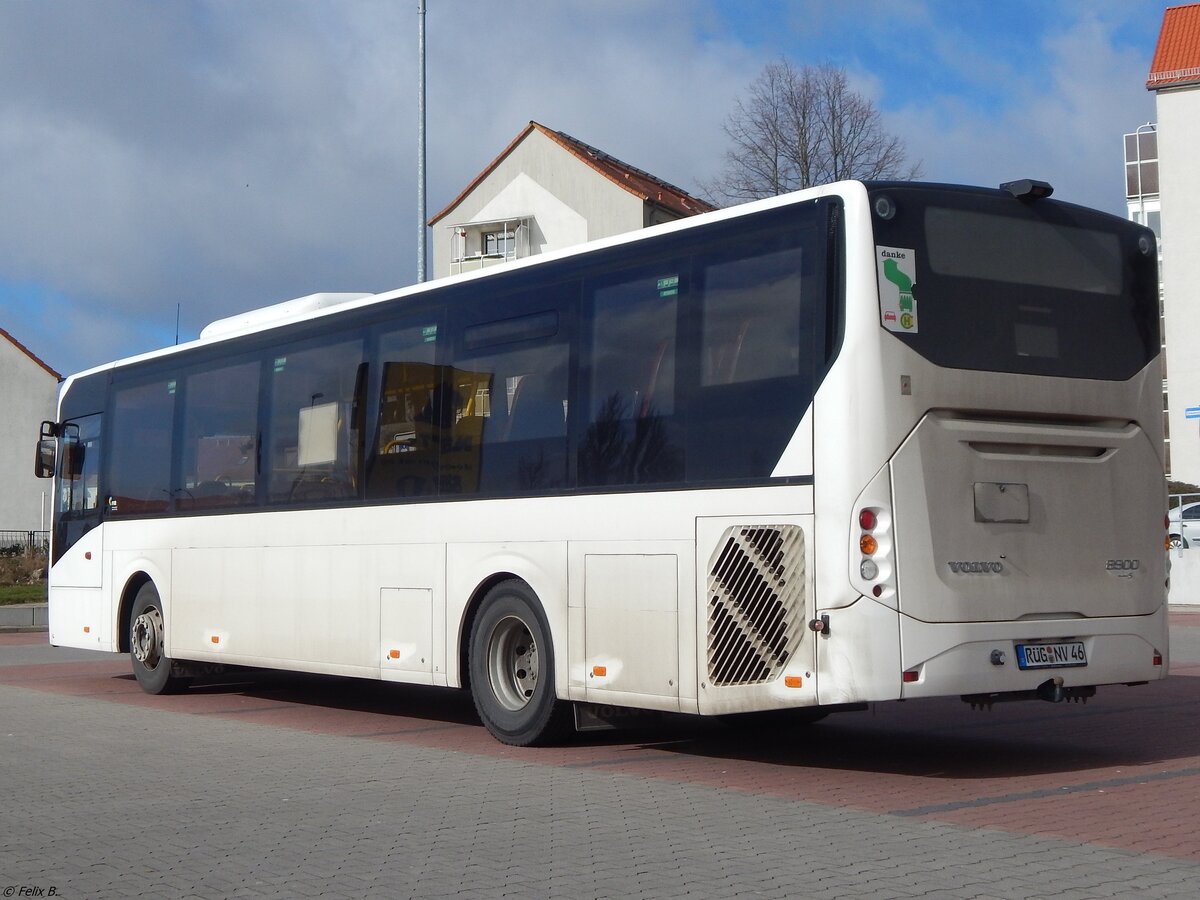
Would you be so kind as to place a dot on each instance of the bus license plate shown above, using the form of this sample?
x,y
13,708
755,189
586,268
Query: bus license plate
x,y
1051,656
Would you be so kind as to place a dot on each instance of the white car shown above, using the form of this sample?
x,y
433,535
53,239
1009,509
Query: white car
x,y
1183,525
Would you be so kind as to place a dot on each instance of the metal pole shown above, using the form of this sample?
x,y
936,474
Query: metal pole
x,y
420,140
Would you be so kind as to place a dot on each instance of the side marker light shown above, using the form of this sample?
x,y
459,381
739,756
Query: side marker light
x,y
910,676
599,671
793,681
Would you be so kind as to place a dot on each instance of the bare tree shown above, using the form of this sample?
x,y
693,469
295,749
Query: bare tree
x,y
800,127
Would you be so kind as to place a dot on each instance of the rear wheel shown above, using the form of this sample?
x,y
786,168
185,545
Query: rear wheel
x,y
147,645
512,669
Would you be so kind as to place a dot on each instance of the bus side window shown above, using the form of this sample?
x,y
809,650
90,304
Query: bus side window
x,y
415,399
511,437
315,445
139,475
632,436
220,441
757,352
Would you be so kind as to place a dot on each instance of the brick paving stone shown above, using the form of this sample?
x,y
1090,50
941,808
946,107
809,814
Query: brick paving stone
x,y
219,805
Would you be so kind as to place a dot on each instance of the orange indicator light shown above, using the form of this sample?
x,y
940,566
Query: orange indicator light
x,y
87,629
793,680
868,545
599,671
394,654
215,639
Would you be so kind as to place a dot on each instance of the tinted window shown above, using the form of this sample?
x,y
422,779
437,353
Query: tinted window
x,y
403,459
510,384
219,454
980,280
140,467
632,435
751,315
78,509
761,301
314,422
700,366
970,244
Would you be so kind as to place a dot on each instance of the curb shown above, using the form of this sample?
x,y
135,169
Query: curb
x,y
24,617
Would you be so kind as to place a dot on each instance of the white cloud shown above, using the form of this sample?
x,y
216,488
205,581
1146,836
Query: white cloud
x,y
223,155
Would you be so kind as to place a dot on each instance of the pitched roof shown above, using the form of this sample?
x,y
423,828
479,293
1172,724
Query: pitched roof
x,y
12,340
641,184
1177,56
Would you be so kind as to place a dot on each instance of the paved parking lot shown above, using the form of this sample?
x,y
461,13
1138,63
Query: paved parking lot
x,y
286,786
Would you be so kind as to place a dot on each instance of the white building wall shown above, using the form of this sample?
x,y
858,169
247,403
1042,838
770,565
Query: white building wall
x,y
28,396
1179,178
569,201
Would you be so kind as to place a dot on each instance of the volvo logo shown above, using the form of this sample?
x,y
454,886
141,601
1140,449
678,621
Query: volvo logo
x,y
984,567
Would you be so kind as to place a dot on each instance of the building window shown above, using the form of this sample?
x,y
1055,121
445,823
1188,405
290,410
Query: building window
x,y
1141,164
499,243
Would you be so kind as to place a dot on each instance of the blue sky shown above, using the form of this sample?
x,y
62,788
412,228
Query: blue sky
x,y
210,157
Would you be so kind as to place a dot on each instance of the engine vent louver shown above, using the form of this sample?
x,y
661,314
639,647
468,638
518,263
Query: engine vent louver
x,y
756,603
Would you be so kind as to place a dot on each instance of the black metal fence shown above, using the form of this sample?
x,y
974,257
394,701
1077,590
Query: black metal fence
x,y
24,543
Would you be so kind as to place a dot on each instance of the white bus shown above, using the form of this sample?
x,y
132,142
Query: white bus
x,y
864,442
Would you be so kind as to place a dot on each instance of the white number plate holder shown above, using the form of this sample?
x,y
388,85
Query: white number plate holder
x,y
1056,655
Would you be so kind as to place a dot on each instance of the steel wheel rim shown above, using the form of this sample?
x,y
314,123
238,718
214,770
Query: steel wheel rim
x,y
512,663
146,638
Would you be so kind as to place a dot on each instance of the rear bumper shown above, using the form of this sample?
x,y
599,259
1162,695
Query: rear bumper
x,y
981,657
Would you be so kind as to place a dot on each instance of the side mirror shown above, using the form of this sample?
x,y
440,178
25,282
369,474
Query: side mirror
x,y
43,464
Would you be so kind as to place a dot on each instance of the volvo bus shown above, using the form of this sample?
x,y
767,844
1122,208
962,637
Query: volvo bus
x,y
865,442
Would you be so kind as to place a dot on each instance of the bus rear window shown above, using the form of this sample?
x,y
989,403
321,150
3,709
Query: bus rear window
x,y
1018,251
980,280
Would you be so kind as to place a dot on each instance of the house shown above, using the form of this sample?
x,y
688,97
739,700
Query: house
x,y
1175,79
545,191
29,396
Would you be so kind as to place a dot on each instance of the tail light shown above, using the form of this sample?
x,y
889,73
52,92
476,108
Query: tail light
x,y
875,552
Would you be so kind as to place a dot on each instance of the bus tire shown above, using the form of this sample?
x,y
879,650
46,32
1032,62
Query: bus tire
x,y
511,662
147,633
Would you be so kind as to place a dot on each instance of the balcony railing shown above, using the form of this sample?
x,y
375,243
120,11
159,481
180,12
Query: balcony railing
x,y
478,245
1174,75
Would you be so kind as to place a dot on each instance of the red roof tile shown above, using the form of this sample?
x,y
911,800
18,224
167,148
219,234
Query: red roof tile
x,y
1177,56
640,184
12,340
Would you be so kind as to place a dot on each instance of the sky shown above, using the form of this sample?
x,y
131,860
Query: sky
x,y
165,163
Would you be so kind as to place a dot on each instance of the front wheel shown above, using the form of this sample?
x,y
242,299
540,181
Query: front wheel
x,y
147,645
511,662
